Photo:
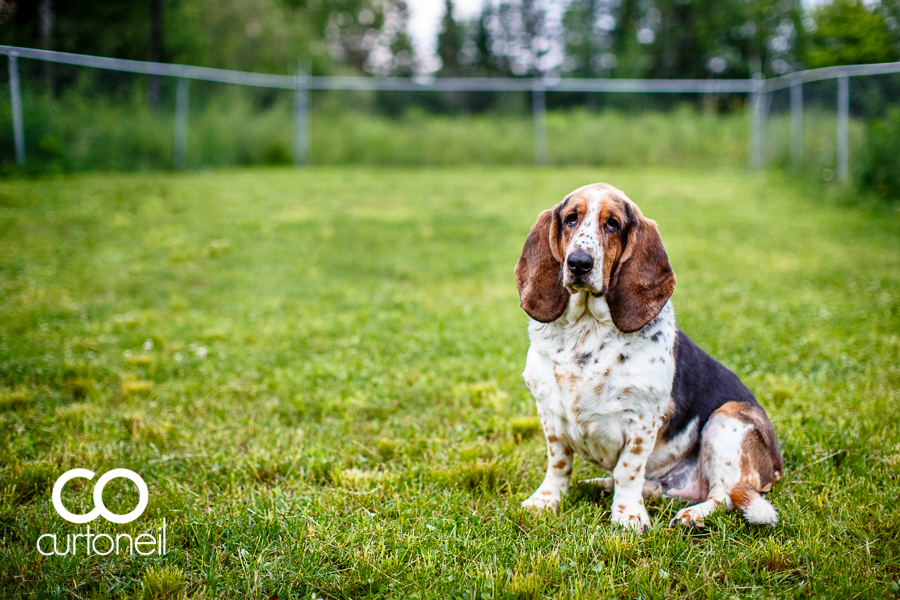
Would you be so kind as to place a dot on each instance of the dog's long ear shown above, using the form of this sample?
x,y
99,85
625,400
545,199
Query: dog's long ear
x,y
539,272
643,280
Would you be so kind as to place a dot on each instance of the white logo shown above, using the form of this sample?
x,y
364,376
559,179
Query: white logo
x,y
99,508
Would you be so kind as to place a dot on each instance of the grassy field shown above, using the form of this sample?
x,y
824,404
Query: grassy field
x,y
317,375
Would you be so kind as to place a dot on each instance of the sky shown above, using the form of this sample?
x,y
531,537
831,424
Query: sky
x,y
425,21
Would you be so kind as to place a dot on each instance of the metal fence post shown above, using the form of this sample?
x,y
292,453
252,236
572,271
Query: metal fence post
x,y
797,124
539,115
843,127
15,93
757,122
182,98
301,118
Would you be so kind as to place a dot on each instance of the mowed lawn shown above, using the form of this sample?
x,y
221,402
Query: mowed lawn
x,y
317,373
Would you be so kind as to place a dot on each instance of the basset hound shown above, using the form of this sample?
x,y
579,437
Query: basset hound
x,y
616,381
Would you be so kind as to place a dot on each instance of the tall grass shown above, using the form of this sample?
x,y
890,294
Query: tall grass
x,y
819,141
81,132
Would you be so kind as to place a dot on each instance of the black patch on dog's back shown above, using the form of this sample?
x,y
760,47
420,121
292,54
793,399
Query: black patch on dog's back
x,y
701,385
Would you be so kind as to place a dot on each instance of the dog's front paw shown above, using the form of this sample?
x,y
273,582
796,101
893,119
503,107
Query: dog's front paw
x,y
690,517
542,500
631,517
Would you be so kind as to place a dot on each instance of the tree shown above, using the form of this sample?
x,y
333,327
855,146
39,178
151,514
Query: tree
x,y
721,39
682,39
119,29
847,32
368,35
450,43
588,26
155,53
526,36
483,63
258,35
46,17
631,36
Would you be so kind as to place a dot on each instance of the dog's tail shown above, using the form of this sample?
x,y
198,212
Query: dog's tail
x,y
756,509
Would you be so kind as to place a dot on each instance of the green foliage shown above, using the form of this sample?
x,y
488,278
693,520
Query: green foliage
x,y
879,166
77,133
337,406
848,32
588,24
254,35
450,42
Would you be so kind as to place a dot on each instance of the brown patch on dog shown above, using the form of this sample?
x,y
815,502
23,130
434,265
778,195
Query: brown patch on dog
x,y
642,280
558,378
637,449
541,293
551,439
598,389
567,451
742,495
760,456
568,472
560,464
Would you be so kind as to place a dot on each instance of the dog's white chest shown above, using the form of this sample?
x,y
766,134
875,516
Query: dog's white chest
x,y
599,387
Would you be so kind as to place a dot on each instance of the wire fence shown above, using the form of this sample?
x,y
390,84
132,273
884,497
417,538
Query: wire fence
x,y
760,92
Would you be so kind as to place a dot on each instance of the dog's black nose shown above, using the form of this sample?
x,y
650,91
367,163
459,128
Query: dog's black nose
x,y
580,263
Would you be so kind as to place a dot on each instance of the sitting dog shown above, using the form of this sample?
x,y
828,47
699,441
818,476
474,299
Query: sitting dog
x,y
616,381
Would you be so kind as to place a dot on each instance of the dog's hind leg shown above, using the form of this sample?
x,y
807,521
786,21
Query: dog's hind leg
x,y
739,458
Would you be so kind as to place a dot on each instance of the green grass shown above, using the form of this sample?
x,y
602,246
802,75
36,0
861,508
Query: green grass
x,y
317,375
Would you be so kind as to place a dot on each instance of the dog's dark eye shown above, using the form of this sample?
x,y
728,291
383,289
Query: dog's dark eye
x,y
612,226
571,219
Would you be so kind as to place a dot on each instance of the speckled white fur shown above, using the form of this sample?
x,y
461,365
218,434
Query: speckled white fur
x,y
600,392
603,394
606,395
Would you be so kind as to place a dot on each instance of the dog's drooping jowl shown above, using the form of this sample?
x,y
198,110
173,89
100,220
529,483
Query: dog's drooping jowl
x,y
616,381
